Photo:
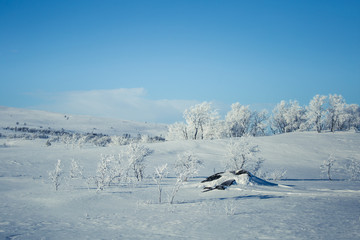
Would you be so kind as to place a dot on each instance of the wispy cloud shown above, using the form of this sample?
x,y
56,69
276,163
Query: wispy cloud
x,y
125,103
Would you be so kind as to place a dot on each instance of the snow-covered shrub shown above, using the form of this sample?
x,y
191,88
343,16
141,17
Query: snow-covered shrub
x,y
119,140
188,164
76,170
276,175
56,175
255,168
136,154
117,168
111,168
159,175
102,141
327,165
180,180
145,138
103,177
353,169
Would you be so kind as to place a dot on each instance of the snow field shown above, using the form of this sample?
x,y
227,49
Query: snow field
x,y
304,208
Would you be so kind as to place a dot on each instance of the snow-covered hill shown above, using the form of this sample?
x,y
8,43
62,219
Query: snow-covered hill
x,y
12,117
309,207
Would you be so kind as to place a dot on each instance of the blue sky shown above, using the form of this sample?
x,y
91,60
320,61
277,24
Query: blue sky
x,y
149,60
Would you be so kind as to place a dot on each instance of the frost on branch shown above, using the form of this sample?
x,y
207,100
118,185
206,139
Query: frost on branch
x,y
352,167
136,154
186,166
327,165
198,119
238,120
111,169
76,171
316,113
159,175
287,117
56,175
103,175
243,154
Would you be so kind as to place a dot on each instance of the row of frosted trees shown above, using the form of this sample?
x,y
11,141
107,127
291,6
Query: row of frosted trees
x,y
324,113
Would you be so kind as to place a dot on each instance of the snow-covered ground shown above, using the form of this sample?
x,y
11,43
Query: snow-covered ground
x,y
12,117
303,206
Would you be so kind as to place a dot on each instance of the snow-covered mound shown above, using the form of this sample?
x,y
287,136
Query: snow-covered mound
x,y
223,180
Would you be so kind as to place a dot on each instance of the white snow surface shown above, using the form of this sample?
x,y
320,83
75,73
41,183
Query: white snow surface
x,y
305,206
78,123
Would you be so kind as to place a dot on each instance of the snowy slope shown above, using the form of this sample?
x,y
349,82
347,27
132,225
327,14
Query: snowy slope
x,y
9,117
307,208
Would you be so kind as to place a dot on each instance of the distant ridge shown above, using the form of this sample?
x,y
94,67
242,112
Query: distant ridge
x,y
11,117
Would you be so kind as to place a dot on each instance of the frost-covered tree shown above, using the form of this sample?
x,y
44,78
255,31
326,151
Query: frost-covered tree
x,y
243,154
294,116
159,175
76,170
177,131
111,168
197,118
287,117
335,112
136,156
187,163
118,169
215,129
238,120
186,166
278,121
103,176
353,169
316,113
353,113
56,175
327,165
180,180
258,123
